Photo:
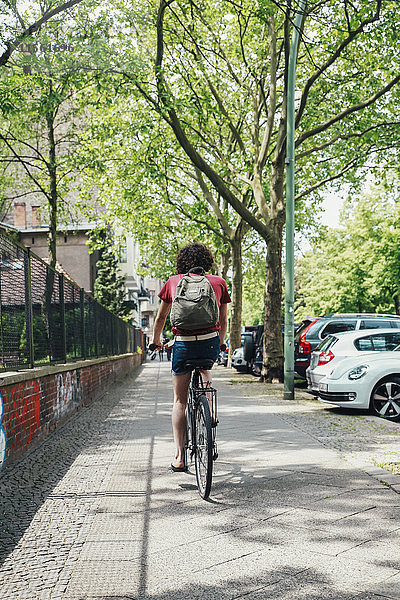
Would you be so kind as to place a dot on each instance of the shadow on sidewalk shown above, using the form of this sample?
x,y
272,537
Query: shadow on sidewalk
x,y
25,486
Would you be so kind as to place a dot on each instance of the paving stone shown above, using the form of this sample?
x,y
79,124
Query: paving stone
x,y
95,513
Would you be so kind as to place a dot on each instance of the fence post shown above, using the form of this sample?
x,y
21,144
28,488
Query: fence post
x,y
83,327
2,364
28,309
62,315
96,341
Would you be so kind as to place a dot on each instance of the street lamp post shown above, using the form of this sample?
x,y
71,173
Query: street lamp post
x,y
288,393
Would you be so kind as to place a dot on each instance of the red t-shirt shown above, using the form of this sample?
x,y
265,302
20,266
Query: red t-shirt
x,y
218,285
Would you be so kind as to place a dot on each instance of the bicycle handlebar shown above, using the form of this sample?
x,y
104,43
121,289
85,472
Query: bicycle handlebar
x,y
154,347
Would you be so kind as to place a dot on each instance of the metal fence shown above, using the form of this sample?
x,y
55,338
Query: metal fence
x,y
45,318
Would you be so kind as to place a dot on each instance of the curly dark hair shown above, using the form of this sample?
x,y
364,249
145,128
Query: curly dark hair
x,y
194,255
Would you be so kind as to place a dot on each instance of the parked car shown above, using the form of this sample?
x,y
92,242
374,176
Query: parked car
x,y
368,382
223,357
252,349
240,357
335,348
309,335
258,359
238,361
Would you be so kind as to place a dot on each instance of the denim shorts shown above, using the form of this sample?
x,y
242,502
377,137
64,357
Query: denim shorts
x,y
183,351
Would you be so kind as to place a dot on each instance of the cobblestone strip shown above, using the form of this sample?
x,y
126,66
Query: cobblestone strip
x,y
48,500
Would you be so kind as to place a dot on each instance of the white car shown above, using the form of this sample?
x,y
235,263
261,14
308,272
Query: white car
x,y
238,361
338,346
368,382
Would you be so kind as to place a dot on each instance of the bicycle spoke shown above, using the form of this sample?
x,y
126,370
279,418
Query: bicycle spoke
x,y
203,455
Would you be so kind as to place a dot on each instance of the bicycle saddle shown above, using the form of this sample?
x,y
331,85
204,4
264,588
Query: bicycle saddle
x,y
201,363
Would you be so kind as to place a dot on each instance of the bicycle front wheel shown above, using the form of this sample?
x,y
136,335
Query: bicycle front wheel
x,y
203,446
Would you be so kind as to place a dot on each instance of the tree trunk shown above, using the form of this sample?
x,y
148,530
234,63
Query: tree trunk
x,y
236,305
223,263
49,318
273,341
52,170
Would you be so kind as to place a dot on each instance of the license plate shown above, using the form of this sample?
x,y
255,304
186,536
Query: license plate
x,y
323,387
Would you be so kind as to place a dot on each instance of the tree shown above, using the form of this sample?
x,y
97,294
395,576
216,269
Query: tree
x,y
109,286
253,280
37,141
21,30
151,190
225,99
356,267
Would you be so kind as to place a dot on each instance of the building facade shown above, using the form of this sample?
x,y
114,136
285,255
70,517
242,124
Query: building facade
x,y
142,291
74,257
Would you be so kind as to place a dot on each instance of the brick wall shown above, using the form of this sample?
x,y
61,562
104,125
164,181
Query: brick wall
x,y
33,403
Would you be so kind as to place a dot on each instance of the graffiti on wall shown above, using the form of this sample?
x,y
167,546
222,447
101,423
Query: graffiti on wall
x,y
69,393
24,402
3,438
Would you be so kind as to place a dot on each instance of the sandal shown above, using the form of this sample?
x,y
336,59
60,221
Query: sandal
x,y
177,469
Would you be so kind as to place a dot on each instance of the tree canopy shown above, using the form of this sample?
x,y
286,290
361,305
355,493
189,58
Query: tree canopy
x,y
355,267
183,122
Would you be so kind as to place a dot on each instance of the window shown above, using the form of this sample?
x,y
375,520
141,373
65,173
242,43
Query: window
x,y
145,321
375,324
328,342
20,214
364,344
380,342
36,219
123,255
152,297
338,326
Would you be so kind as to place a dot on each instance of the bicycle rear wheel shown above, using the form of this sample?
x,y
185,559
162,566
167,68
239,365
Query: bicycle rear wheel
x,y
203,446
187,442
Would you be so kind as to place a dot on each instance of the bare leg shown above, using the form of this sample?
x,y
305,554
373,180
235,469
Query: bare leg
x,y
180,384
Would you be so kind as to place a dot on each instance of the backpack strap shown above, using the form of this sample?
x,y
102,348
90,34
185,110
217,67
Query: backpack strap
x,y
195,271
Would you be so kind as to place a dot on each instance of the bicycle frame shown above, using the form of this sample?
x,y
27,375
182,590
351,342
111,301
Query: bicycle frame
x,y
198,388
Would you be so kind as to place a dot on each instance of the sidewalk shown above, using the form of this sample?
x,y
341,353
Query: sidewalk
x,y
95,514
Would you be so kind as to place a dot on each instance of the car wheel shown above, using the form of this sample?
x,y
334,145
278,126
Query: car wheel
x,y
385,398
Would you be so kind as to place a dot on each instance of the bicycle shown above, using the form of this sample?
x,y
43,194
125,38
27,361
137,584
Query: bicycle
x,y
201,426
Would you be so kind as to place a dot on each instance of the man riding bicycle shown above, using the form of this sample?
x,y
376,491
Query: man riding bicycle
x,y
204,342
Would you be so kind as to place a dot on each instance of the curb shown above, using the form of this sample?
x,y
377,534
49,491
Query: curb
x,y
382,475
